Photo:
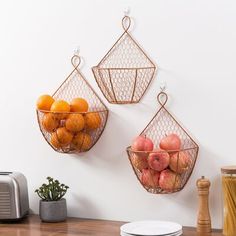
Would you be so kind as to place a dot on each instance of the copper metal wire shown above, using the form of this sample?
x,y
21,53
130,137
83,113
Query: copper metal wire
x,y
125,72
75,85
162,124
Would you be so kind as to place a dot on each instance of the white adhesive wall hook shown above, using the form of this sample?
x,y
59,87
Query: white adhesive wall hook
x,y
76,51
127,11
162,86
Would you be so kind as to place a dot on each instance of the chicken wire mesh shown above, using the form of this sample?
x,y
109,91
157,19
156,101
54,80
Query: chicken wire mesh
x,y
181,163
125,72
74,86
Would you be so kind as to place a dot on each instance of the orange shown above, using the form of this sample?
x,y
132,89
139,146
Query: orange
x,y
50,122
82,141
60,106
45,102
64,136
79,105
75,123
54,141
92,120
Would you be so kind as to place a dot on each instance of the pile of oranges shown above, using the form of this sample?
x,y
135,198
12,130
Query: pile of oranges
x,y
70,124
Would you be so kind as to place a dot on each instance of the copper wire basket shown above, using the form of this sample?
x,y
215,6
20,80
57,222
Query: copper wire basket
x,y
162,125
125,72
75,85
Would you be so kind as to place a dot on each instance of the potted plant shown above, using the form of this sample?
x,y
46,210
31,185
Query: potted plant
x,y
52,206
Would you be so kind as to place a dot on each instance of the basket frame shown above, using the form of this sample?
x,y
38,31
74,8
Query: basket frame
x,y
99,68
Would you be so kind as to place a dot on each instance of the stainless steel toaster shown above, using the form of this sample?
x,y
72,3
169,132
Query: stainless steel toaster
x,y
14,200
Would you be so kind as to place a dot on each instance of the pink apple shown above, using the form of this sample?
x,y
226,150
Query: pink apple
x,y
158,160
142,143
150,178
180,162
169,180
171,142
139,162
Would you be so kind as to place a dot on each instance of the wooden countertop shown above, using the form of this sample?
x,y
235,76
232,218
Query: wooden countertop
x,y
32,226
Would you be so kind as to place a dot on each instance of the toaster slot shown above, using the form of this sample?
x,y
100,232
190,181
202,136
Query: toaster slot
x,y
5,173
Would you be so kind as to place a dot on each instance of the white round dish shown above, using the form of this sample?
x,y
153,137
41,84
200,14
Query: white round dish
x,y
151,228
175,234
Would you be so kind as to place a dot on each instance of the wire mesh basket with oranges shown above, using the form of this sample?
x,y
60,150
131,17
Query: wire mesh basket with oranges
x,y
74,117
163,156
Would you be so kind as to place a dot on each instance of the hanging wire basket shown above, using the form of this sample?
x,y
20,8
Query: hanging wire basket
x,y
125,72
175,165
94,120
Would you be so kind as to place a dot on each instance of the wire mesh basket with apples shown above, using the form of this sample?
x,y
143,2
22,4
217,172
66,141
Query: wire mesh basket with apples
x,y
74,117
163,155
125,72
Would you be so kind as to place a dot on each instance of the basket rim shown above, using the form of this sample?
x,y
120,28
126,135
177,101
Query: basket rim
x,y
123,68
129,149
70,112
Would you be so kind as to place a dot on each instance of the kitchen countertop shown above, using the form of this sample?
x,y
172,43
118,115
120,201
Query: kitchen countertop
x,y
32,226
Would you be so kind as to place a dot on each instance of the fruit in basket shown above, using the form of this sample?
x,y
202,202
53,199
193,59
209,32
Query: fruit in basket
x,y
169,180
64,136
180,162
50,122
79,105
150,178
139,162
171,142
82,141
92,120
75,123
143,144
54,141
60,106
45,102
158,160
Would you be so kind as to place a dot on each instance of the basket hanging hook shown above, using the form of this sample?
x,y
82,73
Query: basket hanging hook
x,y
126,22
162,86
75,61
127,11
162,98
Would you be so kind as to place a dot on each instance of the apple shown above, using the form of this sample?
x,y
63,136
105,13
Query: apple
x,y
171,142
169,180
179,162
159,160
139,162
150,178
142,143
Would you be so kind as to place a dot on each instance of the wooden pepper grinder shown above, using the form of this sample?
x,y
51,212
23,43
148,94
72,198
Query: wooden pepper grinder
x,y
204,219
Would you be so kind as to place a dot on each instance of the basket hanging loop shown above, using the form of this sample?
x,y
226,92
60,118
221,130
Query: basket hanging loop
x,y
75,61
162,98
126,22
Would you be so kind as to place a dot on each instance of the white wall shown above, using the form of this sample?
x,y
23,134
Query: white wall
x,y
192,42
